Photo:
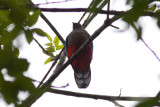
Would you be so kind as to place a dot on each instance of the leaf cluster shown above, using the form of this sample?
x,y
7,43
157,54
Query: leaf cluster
x,y
16,18
152,102
52,47
139,7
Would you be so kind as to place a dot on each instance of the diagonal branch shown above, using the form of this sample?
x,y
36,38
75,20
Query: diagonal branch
x,y
53,28
43,48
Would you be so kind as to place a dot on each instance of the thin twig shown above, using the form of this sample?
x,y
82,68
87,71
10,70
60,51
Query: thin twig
x,y
108,9
120,92
117,104
52,2
114,26
107,18
43,48
150,49
64,86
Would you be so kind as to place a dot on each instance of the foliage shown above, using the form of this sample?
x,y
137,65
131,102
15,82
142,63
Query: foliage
x,y
15,19
53,46
153,102
139,7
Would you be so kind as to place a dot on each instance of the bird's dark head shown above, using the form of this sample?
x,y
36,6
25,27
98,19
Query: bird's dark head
x,y
76,25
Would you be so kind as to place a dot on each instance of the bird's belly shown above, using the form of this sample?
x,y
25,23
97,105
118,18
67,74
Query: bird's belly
x,y
83,60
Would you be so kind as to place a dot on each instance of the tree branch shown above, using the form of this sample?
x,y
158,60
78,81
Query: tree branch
x,y
95,96
112,99
43,48
53,28
80,10
108,9
111,12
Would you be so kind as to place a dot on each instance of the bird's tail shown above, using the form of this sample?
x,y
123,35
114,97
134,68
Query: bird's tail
x,y
82,78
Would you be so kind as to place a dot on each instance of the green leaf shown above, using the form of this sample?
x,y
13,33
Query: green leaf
x,y
4,16
16,66
48,60
9,94
152,102
139,6
29,36
49,44
18,13
32,19
49,37
21,83
16,51
138,30
39,31
158,10
59,47
56,41
158,23
25,84
50,49
152,8
0,40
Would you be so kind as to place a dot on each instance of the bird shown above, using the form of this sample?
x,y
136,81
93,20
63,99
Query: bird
x,y
81,64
